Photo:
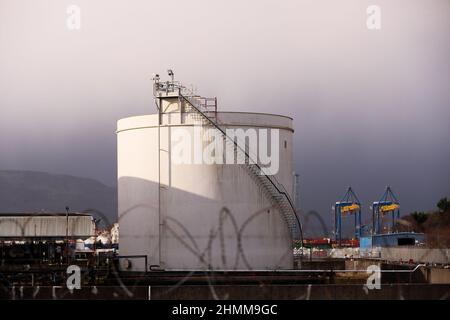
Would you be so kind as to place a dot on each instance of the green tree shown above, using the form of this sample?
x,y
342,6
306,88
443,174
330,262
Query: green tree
x,y
419,217
443,205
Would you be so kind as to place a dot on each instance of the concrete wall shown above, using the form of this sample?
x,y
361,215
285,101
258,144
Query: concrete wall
x,y
235,292
198,216
419,255
435,275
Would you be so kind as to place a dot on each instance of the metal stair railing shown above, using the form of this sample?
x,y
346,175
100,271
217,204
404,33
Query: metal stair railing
x,y
269,184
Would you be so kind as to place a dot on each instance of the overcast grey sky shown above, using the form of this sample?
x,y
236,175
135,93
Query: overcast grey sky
x,y
371,107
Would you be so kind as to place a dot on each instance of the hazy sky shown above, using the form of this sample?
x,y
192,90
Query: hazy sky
x,y
370,107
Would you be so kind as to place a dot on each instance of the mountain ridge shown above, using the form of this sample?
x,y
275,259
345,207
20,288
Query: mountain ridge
x,y
37,191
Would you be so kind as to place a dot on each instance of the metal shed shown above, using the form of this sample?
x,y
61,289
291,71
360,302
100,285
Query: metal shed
x,y
45,225
392,240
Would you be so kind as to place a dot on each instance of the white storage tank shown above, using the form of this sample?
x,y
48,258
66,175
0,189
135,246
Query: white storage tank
x,y
186,213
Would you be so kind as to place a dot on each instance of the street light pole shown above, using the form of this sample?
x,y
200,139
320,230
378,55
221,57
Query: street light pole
x,y
67,234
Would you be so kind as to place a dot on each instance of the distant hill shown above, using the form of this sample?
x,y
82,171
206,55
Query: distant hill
x,y
30,191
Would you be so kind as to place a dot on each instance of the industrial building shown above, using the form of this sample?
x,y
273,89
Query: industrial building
x,y
392,240
37,237
200,215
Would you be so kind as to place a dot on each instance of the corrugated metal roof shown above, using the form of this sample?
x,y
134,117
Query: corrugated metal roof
x,y
45,225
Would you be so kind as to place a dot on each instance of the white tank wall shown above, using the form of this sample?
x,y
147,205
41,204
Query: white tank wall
x,y
178,228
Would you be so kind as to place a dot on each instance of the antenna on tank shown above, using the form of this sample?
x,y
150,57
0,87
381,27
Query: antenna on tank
x,y
171,74
155,79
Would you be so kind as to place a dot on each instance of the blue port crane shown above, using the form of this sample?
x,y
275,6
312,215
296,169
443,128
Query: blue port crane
x,y
388,205
349,205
